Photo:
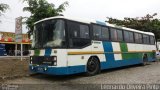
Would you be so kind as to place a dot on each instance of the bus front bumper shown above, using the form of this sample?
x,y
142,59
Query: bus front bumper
x,y
57,70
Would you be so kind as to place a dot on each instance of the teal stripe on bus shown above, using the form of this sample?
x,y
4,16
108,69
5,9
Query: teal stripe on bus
x,y
48,52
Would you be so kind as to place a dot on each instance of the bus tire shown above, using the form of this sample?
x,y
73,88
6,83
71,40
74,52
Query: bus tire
x,y
145,60
93,66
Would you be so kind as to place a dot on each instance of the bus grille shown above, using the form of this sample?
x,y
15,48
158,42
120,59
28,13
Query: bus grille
x,y
44,60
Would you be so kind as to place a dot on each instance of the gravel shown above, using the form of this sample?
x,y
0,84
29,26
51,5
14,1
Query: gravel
x,y
137,74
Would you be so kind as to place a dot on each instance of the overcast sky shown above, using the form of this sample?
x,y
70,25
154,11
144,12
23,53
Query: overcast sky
x,y
92,9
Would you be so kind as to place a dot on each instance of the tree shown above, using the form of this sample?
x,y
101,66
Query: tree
x,y
41,9
3,8
147,23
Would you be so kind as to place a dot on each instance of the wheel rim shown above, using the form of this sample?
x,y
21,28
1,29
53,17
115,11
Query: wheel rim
x,y
92,66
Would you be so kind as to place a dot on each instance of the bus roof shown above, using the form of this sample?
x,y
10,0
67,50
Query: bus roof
x,y
89,21
68,18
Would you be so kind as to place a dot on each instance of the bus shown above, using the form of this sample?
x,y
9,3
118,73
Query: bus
x,y
65,45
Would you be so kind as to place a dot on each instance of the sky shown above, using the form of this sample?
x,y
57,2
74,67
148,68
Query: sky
x,y
91,9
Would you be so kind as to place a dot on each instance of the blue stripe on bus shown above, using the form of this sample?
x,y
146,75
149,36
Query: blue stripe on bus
x,y
101,23
108,48
48,51
120,63
82,68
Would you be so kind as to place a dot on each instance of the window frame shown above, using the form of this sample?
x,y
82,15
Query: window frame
x,y
117,34
100,39
122,35
138,37
153,39
85,32
96,30
107,39
148,38
69,37
91,37
129,35
66,33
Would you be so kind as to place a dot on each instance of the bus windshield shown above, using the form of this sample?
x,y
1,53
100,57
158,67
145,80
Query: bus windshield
x,y
49,34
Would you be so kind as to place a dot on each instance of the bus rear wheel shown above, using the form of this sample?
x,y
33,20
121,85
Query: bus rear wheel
x,y
93,66
145,60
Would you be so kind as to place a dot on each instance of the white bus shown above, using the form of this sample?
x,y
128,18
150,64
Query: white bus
x,y
64,46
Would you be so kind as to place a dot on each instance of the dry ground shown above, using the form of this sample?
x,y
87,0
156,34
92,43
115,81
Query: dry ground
x,y
137,74
11,68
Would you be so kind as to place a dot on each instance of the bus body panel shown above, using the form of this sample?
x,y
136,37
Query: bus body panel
x,y
61,55
57,70
110,54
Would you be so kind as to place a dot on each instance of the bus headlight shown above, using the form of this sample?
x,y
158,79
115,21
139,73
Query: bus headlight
x,y
32,68
45,69
54,58
55,63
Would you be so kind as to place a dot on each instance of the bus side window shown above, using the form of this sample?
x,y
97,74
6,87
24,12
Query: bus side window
x,y
84,31
145,39
113,34
78,34
100,32
96,32
116,34
105,33
73,29
131,37
138,38
119,35
152,41
128,37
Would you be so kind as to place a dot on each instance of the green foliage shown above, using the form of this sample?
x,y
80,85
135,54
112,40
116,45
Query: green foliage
x,y
3,8
41,9
147,23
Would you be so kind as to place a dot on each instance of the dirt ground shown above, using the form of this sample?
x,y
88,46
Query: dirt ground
x,y
11,68
136,77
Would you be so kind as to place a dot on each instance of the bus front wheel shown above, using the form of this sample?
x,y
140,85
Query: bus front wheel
x,y
93,66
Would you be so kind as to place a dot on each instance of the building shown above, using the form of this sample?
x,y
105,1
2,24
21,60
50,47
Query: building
x,y
8,44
